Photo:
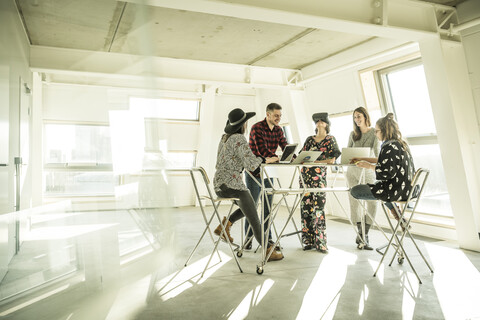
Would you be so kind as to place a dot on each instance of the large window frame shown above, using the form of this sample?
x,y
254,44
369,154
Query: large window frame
x,y
416,141
74,170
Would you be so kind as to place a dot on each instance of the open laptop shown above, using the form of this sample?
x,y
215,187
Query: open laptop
x,y
288,153
349,153
307,157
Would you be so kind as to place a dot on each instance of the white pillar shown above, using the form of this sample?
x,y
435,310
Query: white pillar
x,y
208,143
301,117
36,158
458,133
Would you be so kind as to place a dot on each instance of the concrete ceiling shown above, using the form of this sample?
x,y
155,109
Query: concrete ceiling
x,y
121,27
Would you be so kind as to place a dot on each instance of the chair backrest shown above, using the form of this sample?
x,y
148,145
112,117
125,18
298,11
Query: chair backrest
x,y
202,188
418,184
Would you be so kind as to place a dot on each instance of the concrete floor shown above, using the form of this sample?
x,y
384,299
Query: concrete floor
x,y
119,271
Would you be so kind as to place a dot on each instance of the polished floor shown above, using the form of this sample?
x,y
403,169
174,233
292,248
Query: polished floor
x,y
129,264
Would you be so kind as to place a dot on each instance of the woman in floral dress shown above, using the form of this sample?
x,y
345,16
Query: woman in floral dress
x,y
313,204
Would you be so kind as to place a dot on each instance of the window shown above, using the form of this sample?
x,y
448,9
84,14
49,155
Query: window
x,y
287,132
154,160
341,124
170,109
78,160
405,93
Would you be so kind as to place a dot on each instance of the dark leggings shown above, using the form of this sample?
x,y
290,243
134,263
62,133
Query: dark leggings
x,y
247,209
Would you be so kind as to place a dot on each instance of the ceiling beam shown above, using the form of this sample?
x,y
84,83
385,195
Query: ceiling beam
x,y
107,65
399,19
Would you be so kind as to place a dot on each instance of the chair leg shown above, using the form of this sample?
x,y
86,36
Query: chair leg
x,y
414,242
207,228
226,238
400,246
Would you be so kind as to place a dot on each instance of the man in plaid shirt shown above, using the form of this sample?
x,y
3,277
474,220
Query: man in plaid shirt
x,y
265,137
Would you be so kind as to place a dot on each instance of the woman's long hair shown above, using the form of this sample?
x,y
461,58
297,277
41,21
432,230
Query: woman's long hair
x,y
357,134
390,131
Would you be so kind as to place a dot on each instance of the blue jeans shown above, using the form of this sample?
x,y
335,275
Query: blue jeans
x,y
255,190
363,192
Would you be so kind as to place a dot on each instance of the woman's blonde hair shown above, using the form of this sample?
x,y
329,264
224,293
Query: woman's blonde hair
x,y
390,131
357,134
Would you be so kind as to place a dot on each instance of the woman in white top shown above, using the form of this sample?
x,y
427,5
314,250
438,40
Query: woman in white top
x,y
363,135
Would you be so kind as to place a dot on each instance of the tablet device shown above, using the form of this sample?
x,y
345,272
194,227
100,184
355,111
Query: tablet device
x,y
349,153
288,153
307,157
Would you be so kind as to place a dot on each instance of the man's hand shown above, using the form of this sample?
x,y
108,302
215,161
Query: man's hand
x,y
271,159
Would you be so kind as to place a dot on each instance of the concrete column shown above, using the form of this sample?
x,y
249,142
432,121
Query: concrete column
x,y
300,118
207,142
458,133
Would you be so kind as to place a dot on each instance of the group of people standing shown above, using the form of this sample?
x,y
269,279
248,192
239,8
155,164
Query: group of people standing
x,y
388,173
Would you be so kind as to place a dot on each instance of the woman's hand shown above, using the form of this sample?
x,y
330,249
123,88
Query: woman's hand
x,y
364,164
326,161
355,160
271,159
369,160
330,161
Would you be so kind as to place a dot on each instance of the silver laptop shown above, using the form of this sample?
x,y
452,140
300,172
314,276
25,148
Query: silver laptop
x,y
288,153
349,153
307,157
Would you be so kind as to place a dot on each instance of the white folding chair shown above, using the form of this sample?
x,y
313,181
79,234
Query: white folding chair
x,y
410,205
201,183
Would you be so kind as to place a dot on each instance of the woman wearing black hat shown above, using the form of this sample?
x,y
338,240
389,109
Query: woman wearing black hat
x,y
233,156
312,206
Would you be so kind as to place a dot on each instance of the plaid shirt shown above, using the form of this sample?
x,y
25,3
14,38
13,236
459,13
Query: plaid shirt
x,y
264,142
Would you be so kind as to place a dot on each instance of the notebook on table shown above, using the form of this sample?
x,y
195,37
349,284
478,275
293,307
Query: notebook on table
x,y
307,157
358,152
288,153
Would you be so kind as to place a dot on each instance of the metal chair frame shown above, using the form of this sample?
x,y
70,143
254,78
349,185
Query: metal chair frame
x,y
215,201
418,183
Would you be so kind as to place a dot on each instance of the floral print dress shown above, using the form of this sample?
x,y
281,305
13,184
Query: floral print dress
x,y
313,204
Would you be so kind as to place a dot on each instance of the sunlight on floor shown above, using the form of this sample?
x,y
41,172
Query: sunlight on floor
x,y
134,297
64,232
363,298
176,283
321,298
252,299
34,300
411,287
456,282
381,272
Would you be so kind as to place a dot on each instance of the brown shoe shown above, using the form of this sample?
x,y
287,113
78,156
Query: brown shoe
x,y
275,255
227,225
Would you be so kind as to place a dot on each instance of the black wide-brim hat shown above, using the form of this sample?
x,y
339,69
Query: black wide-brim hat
x,y
321,116
236,118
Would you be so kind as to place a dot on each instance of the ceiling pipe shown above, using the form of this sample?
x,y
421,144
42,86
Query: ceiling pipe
x,y
459,27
